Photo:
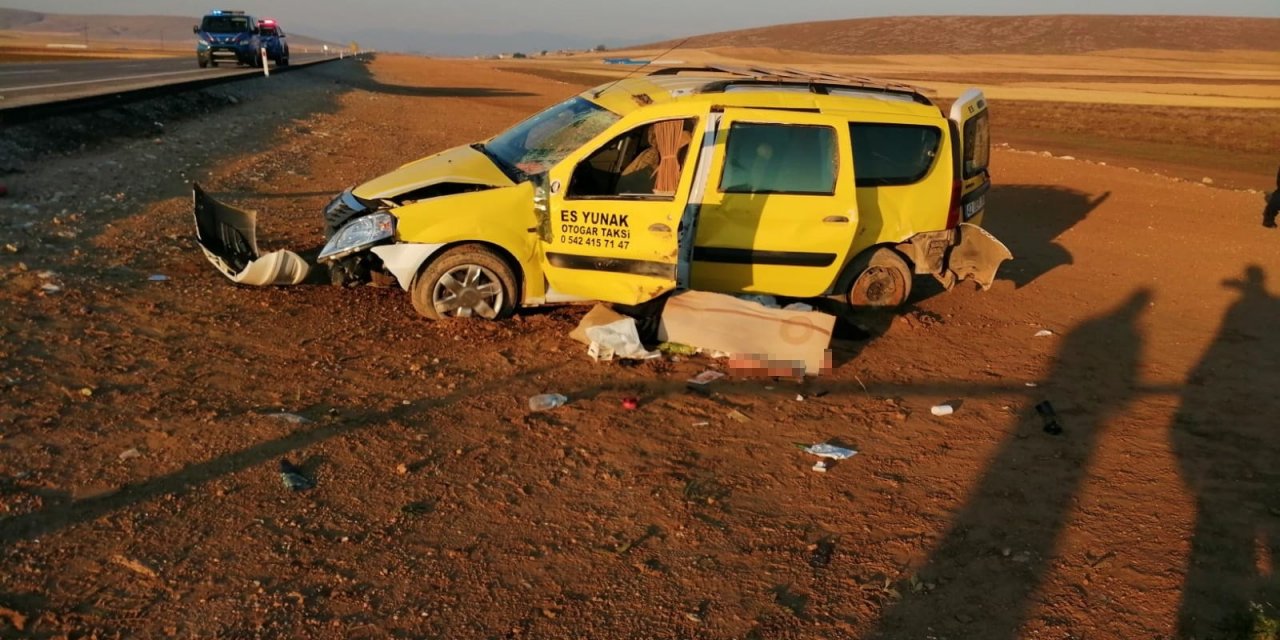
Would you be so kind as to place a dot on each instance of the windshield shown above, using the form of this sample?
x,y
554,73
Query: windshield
x,y
225,24
537,144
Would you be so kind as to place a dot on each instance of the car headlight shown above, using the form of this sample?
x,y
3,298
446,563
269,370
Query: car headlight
x,y
360,233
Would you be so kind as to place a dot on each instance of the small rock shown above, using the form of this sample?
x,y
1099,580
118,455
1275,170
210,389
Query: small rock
x,y
1066,157
1043,333
130,453
86,392
402,469
1206,180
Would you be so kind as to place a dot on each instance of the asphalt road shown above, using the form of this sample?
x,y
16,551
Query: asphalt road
x,y
36,82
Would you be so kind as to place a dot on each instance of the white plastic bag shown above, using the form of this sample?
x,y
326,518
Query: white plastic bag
x,y
618,339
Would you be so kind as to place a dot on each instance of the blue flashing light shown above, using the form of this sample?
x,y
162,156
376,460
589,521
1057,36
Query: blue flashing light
x,y
216,12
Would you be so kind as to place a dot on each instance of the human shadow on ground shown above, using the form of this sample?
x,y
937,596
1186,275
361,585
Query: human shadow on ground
x,y
1001,544
1028,219
1227,441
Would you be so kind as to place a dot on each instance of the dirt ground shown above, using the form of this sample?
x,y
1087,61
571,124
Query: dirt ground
x,y
139,435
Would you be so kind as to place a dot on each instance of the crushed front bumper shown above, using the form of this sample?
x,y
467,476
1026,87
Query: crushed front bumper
x,y
228,238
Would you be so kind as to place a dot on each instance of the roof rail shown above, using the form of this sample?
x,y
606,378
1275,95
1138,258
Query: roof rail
x,y
788,74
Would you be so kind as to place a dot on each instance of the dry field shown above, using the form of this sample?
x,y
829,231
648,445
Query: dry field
x,y
1191,114
139,494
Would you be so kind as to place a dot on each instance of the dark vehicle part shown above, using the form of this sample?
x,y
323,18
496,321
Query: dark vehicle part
x,y
228,238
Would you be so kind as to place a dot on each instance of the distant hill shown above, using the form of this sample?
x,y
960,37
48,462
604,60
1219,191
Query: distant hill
x,y
1048,34
118,27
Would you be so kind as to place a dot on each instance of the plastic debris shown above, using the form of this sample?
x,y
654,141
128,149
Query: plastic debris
x,y
630,403
289,417
129,454
599,353
763,300
1043,333
1032,385
942,410
738,415
546,401
293,478
820,466
706,377
825,450
702,423
677,349
1046,412
799,397
798,306
620,338
159,277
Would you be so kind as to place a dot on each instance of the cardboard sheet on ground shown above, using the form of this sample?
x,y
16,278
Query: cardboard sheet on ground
x,y
228,238
598,316
776,341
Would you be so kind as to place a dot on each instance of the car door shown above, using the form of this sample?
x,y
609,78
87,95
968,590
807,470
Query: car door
x,y
779,213
610,213
973,140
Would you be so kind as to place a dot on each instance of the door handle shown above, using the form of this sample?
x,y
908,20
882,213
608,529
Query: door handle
x,y
839,219
658,227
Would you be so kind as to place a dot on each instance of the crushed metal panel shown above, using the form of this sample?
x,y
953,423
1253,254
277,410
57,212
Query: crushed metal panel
x,y
977,255
228,238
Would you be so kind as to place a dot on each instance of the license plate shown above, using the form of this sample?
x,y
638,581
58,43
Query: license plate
x,y
975,207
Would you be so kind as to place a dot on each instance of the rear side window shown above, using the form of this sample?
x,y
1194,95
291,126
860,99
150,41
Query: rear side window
x,y
776,158
977,145
892,154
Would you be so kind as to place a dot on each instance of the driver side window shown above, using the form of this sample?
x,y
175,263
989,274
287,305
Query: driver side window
x,y
644,163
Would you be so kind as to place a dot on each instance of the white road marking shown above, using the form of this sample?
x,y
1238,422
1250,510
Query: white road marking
x,y
101,80
28,71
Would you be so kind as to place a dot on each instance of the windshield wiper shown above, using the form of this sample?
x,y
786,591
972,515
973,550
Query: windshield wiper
x,y
510,170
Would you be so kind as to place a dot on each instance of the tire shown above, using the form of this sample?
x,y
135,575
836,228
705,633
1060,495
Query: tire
x,y
882,280
284,62
483,285
213,63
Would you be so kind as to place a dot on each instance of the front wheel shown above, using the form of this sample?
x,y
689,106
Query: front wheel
x,y
284,62
465,282
883,280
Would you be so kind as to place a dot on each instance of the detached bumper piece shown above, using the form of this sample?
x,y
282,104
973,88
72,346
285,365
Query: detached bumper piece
x,y
228,239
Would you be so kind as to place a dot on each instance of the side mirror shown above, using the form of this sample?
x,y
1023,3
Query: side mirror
x,y
195,28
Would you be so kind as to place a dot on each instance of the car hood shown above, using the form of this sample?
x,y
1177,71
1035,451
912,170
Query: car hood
x,y
461,165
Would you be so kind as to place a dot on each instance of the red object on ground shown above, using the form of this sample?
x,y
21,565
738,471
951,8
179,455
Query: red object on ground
x,y
630,403
4,191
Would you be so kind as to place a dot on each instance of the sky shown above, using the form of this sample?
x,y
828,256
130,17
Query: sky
x,y
424,25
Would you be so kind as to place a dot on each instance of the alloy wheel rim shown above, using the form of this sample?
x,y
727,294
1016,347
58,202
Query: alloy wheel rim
x,y
468,290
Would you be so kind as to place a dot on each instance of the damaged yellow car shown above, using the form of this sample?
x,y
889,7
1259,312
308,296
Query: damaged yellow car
x,y
736,180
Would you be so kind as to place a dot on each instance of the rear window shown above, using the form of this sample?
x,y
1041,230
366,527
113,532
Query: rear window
x,y
775,158
977,145
892,154
225,24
